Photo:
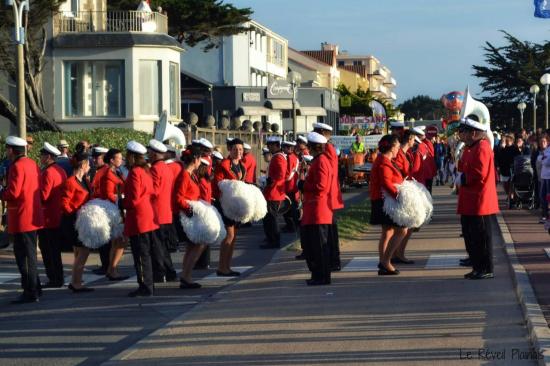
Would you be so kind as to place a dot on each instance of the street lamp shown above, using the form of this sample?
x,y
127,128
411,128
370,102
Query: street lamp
x,y
295,79
521,107
19,37
545,80
534,90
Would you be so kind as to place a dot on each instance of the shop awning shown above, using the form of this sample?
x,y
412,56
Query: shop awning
x,y
282,104
312,111
253,111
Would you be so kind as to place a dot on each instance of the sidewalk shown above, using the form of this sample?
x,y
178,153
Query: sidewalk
x,y
428,315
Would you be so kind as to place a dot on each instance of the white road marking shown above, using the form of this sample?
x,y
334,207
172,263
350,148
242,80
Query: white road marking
x,y
438,261
215,277
360,264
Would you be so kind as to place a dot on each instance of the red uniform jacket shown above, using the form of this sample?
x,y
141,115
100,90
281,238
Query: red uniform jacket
x,y
205,188
74,195
53,180
223,171
417,163
383,176
96,185
163,181
275,191
430,169
108,186
138,194
292,175
315,199
249,163
175,167
335,195
479,195
187,189
402,163
22,195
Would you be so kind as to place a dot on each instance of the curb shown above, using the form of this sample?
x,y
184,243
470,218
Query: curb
x,y
539,333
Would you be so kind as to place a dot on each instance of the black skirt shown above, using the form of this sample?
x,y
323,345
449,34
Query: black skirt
x,y
68,231
378,216
226,220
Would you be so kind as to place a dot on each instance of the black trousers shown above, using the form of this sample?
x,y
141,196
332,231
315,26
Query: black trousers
x,y
24,248
105,256
162,261
478,238
50,247
314,239
292,216
271,225
429,184
334,244
141,245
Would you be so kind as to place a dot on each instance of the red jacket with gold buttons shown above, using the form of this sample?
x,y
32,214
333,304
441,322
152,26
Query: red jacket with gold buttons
x,y
175,167
187,189
250,164
96,185
22,195
430,169
402,163
335,195
108,185
292,174
383,177
315,198
205,188
75,195
138,195
53,180
275,191
223,171
163,181
417,165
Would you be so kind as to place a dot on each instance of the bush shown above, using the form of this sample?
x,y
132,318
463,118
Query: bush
x,y
106,137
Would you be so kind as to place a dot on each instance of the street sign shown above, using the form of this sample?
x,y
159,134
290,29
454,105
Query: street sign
x,y
431,131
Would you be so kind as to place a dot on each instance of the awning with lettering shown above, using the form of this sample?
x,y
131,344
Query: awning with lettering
x,y
253,111
312,111
282,104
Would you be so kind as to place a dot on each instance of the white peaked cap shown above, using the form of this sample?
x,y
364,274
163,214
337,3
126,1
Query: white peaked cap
x,y
50,149
204,142
307,158
136,147
229,139
322,126
302,138
422,127
265,150
157,146
274,139
205,162
16,141
170,148
195,142
397,124
217,155
316,138
100,149
247,146
418,131
289,143
473,124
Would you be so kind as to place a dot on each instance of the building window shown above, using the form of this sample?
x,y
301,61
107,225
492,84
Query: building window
x,y
253,79
341,63
150,87
174,88
357,63
277,52
94,88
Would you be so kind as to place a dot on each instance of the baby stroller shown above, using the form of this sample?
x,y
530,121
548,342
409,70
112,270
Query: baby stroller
x,y
523,182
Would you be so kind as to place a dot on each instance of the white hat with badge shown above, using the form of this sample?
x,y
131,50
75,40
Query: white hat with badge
x,y
247,146
50,149
418,131
322,126
136,147
99,150
274,139
16,141
302,139
289,143
316,138
475,125
205,162
397,124
218,155
157,146
205,143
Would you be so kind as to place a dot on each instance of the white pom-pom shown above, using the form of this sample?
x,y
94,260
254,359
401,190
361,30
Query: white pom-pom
x,y
205,226
98,222
413,206
240,201
260,204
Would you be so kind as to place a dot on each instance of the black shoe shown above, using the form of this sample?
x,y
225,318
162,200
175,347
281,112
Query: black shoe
x,y
228,274
99,271
25,299
53,285
467,262
140,292
172,278
397,260
188,285
383,271
481,275
269,246
80,289
159,279
312,282
335,268
469,274
116,278
300,257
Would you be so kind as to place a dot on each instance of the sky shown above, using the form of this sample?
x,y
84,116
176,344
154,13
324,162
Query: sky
x,y
429,45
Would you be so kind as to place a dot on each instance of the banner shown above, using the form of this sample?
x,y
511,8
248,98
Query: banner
x,y
362,122
542,9
344,142
378,111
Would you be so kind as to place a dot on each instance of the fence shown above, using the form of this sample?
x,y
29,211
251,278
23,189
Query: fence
x,y
110,21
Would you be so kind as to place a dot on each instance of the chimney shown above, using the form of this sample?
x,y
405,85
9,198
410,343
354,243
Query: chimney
x,y
325,46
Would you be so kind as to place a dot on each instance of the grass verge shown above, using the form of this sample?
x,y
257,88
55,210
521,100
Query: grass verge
x,y
353,221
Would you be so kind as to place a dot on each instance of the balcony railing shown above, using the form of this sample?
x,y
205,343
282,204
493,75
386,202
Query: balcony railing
x,y
110,21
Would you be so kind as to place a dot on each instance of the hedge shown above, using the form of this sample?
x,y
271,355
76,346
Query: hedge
x,y
107,137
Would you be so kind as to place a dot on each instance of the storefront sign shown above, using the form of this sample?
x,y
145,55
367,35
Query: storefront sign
x,y
279,89
252,97
344,142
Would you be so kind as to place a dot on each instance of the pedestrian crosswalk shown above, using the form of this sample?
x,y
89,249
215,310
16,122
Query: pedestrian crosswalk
x,y
444,261
8,277
434,261
359,264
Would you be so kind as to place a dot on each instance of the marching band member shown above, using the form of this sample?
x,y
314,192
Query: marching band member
x,y
317,216
217,158
384,177
76,193
99,167
176,167
109,186
335,195
301,147
291,188
477,198
205,186
249,163
207,149
230,168
98,161
187,189
22,194
397,128
140,220
420,164
163,182
274,192
431,168
53,180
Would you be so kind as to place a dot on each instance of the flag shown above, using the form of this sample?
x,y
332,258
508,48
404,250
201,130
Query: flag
x,y
542,9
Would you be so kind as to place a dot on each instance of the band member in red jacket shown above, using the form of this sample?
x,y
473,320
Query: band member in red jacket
x,y
98,168
291,217
76,192
163,182
176,166
140,221
335,195
384,176
250,164
25,216
301,147
430,169
230,168
420,169
477,198
317,216
53,179
109,185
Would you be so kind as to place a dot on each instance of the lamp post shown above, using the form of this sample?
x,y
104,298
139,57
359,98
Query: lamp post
x,y
19,37
295,79
521,107
534,90
545,80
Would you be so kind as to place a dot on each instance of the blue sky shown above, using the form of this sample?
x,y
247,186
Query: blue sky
x,y
429,45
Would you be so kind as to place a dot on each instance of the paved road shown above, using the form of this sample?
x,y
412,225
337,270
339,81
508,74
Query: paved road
x,y
88,329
